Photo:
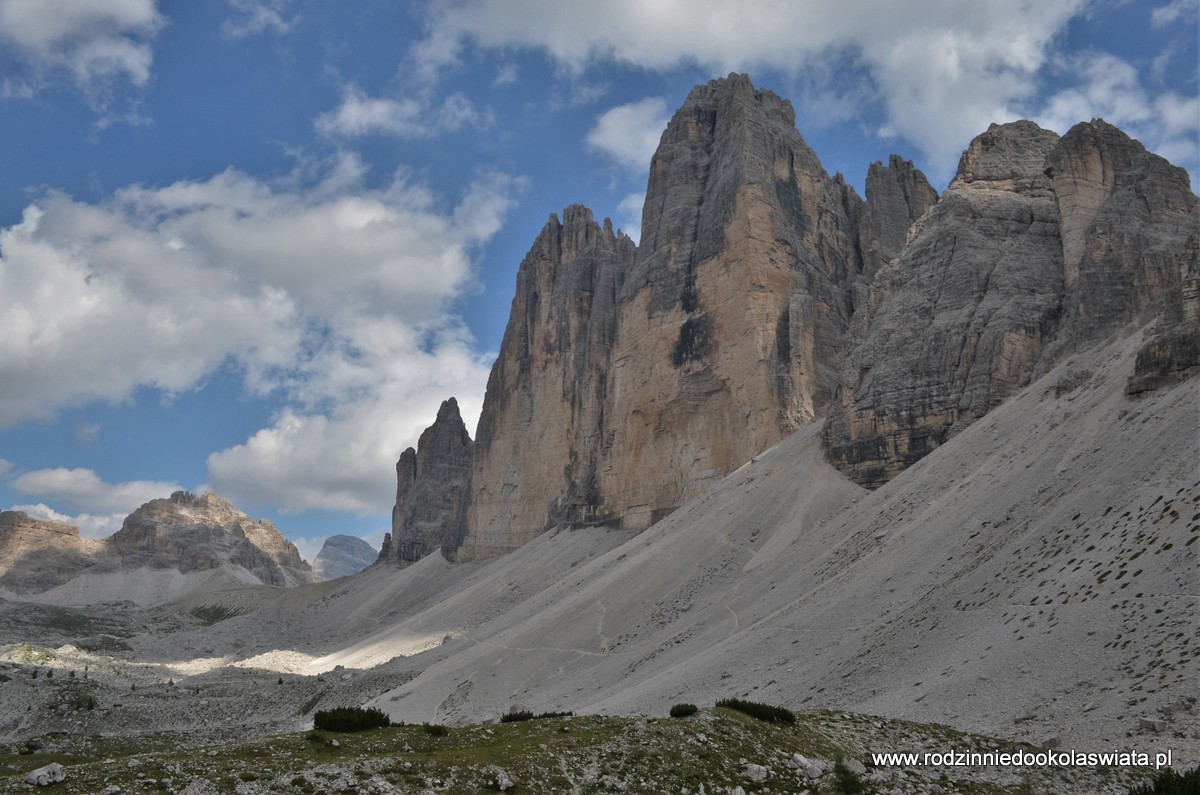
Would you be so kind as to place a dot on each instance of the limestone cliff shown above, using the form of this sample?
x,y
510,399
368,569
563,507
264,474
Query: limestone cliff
x,y
738,308
542,427
433,487
766,294
1038,248
36,555
184,532
630,379
194,533
342,556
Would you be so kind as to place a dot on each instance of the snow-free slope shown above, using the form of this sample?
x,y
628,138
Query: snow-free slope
x,y
1034,577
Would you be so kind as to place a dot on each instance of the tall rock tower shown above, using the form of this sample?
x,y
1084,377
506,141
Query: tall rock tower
x,y
739,303
433,488
543,420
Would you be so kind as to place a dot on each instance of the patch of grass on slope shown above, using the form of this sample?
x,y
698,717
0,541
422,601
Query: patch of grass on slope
x,y
586,754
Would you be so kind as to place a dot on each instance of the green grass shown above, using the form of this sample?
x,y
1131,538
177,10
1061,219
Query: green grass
x,y
551,755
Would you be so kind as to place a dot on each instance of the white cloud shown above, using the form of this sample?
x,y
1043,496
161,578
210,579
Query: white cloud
x,y
629,215
630,133
5,467
98,43
333,295
309,546
257,16
1171,13
83,490
89,525
1108,87
507,75
359,114
344,459
941,71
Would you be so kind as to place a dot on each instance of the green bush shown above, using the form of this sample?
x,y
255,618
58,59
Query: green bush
x,y
761,711
846,781
350,719
683,710
1168,782
517,716
434,730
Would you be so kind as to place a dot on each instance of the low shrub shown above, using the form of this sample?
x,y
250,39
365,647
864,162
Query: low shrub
x,y
761,711
517,716
683,710
846,781
350,719
1168,782
436,730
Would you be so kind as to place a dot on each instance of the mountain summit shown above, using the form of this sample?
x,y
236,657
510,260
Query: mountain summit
x,y
766,295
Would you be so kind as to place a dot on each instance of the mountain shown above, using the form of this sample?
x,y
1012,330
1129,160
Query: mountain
x,y
433,488
342,556
164,548
766,295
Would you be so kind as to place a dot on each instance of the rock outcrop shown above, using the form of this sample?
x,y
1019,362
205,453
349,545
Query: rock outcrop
x,y
36,555
433,489
192,532
543,424
738,306
184,532
765,295
631,379
342,556
963,314
1039,248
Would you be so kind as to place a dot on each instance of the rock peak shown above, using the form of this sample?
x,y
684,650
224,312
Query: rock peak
x,y
432,486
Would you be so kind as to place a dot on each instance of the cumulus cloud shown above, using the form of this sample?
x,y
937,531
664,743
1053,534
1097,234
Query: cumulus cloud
x,y
332,295
1110,88
629,133
359,114
941,72
83,490
98,44
252,17
89,525
1172,12
5,467
629,215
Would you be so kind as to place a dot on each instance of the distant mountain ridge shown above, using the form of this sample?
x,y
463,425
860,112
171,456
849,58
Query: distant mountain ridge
x,y
185,532
342,556
765,295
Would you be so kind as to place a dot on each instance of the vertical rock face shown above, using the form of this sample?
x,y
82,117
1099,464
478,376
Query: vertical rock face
x,y
433,488
897,195
36,555
542,425
193,533
766,294
629,378
965,312
738,305
1038,247
1129,232
341,556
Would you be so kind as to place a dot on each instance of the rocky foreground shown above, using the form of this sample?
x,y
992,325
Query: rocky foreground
x,y
715,751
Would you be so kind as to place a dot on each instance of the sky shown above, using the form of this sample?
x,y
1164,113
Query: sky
x,y
251,245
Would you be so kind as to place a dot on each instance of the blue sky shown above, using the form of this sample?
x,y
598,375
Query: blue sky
x,y
250,245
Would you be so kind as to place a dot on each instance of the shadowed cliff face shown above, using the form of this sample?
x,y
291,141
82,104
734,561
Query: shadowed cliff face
x,y
1039,248
36,555
433,486
543,417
